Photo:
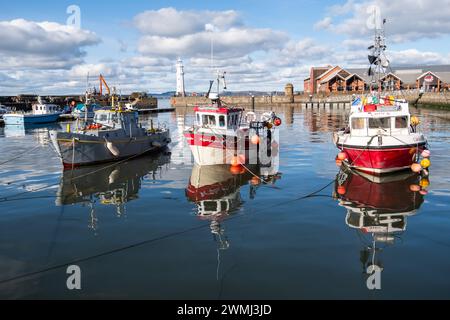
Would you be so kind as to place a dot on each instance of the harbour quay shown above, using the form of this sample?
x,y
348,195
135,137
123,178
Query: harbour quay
x,y
327,100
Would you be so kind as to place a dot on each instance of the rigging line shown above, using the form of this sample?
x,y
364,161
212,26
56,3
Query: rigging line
x,y
138,244
19,155
31,198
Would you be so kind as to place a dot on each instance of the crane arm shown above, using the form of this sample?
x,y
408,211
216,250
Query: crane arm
x,y
103,82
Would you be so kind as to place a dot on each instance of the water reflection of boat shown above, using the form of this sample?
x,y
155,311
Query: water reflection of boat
x,y
108,184
38,131
379,206
216,192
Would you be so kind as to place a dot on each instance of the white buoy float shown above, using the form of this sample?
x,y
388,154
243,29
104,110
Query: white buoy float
x,y
112,148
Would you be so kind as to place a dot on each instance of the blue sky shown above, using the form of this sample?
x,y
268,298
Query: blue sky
x,y
261,44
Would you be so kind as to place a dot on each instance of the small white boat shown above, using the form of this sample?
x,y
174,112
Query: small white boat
x,y
41,113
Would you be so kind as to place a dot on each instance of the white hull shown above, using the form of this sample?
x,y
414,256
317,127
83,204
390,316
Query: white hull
x,y
208,156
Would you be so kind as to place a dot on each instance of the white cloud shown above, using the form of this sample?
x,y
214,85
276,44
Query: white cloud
x,y
234,42
307,49
414,57
325,23
408,20
29,44
169,22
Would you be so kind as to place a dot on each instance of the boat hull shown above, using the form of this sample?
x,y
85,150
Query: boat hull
x,y
216,149
21,119
77,150
382,160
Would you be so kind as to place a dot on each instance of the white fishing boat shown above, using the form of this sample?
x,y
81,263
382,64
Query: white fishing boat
x,y
41,113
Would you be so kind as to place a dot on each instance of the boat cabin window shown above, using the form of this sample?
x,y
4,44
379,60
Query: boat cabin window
x,y
375,123
209,120
358,123
221,121
210,206
401,122
232,120
101,117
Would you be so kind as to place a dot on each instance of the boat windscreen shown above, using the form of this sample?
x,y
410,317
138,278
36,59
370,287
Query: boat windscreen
x,y
375,123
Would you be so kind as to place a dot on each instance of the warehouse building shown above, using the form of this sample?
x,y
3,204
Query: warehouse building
x,y
333,79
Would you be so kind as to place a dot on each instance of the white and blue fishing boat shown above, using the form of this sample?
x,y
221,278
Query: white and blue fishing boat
x,y
41,113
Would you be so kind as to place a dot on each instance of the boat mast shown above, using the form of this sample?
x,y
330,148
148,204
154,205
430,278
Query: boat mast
x,y
87,99
377,58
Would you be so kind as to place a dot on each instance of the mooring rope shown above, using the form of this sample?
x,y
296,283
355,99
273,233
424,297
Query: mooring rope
x,y
6,198
145,242
19,155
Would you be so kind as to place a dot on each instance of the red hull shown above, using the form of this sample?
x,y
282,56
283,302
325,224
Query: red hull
x,y
386,197
381,160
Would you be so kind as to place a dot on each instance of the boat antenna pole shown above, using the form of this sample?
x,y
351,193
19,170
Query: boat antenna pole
x,y
86,98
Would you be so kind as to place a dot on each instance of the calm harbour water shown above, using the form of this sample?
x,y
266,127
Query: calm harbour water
x,y
267,243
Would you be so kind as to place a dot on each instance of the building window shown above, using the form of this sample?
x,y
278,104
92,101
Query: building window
x,y
375,123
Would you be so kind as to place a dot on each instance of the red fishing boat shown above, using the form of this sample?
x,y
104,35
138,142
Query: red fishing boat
x,y
224,134
382,136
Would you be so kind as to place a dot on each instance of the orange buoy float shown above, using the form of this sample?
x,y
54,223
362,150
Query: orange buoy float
x,y
426,153
235,161
414,188
416,167
277,122
338,163
255,139
341,190
342,156
236,170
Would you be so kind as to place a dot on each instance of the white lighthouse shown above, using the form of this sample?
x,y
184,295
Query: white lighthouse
x,y
180,79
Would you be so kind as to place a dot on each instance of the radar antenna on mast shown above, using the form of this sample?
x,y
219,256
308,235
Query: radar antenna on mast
x,y
377,58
